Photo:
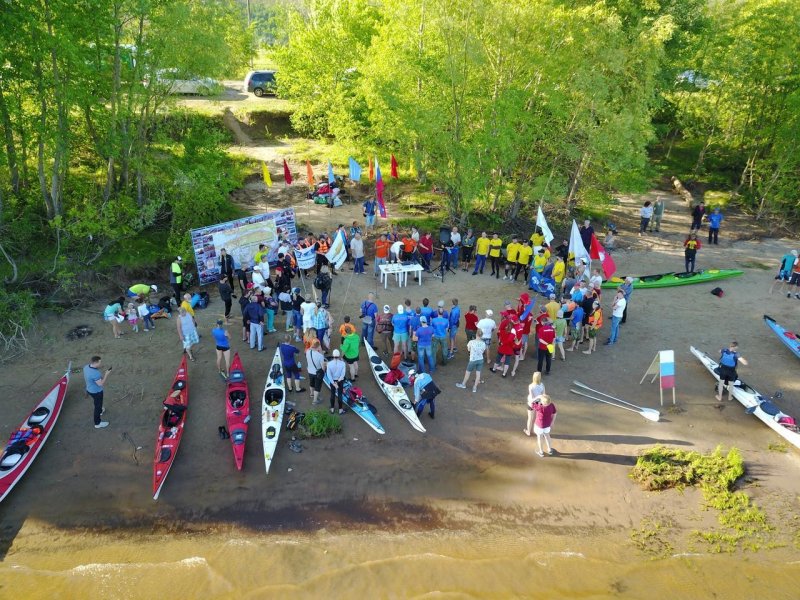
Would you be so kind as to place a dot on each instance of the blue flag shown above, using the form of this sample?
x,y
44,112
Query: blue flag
x,y
331,178
355,170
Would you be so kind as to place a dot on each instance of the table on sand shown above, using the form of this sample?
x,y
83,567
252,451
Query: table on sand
x,y
400,271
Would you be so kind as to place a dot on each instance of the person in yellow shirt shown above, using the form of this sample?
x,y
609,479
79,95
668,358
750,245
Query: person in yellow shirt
x,y
537,238
495,246
512,253
187,305
262,251
559,270
523,259
481,252
540,261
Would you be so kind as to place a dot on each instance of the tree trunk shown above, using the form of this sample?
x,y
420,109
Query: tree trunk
x,y
573,189
40,144
11,152
62,121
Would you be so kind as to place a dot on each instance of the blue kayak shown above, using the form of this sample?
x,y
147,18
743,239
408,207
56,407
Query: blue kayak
x,y
362,409
792,340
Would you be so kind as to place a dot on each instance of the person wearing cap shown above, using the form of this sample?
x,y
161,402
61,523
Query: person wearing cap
x,y
423,336
176,278
454,320
225,294
141,291
223,343
440,325
593,326
784,276
383,327
552,308
617,310
291,369
546,335
258,276
486,326
369,310
335,371
319,321
627,289
306,313
400,323
425,392
254,317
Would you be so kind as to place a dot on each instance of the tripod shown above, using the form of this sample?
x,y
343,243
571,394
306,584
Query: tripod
x,y
443,268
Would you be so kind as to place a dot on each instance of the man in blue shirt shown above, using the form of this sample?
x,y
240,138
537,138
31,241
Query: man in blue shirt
x,y
440,325
714,221
369,212
369,312
95,383
400,335
427,310
425,392
254,315
453,319
577,327
291,370
424,336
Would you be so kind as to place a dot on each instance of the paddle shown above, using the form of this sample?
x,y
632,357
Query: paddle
x,y
648,413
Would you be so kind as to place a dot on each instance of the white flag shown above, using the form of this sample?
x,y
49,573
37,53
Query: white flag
x,y
576,246
541,223
338,251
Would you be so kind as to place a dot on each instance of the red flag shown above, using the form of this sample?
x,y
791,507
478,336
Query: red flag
x,y
287,174
310,174
393,172
597,252
371,171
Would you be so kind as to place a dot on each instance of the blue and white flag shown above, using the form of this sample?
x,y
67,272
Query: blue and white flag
x,y
541,285
306,257
338,251
355,170
331,178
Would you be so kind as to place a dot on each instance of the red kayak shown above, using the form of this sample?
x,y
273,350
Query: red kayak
x,y
28,439
170,428
237,409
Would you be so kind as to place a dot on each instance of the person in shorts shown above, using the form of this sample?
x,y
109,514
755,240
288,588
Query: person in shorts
x,y
291,370
784,276
471,323
728,360
476,348
315,363
400,323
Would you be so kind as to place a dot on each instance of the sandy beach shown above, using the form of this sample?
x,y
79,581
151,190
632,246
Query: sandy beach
x,y
469,507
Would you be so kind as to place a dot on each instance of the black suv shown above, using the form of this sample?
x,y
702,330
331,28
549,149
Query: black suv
x,y
260,83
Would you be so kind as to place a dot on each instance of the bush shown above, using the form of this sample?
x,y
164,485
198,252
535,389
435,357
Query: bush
x,y
320,423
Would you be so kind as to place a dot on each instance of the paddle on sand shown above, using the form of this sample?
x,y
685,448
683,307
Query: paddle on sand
x,y
648,413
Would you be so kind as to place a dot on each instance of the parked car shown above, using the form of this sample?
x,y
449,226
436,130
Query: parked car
x,y
260,83
187,84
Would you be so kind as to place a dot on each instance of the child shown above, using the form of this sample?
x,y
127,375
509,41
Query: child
x,y
346,328
133,317
471,323
144,313
561,332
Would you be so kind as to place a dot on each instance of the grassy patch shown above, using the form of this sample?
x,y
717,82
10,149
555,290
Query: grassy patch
x,y
743,524
753,264
651,538
782,447
320,423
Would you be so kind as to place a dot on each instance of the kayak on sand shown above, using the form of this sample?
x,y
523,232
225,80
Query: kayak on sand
x,y
237,409
791,339
393,392
360,407
673,279
170,427
272,407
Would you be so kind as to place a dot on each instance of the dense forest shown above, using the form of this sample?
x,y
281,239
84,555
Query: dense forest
x,y
502,104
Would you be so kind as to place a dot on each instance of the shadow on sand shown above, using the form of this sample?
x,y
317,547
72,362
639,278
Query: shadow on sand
x,y
622,439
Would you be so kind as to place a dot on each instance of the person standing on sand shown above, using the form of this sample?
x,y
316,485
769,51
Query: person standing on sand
x,y
369,311
187,332
467,248
795,280
645,214
176,278
560,326
369,207
254,317
357,248
576,322
728,361
617,310
627,289
481,252
784,276
535,391
383,327
486,327
336,372
316,364
698,212
495,248
381,253
95,385
476,349
714,223
291,370
593,326
546,336
350,346
586,231
223,343
425,249
658,214
691,246
112,313
545,417
226,294
226,264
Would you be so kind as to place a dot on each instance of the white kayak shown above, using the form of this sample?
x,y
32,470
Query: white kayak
x,y
394,392
756,404
272,407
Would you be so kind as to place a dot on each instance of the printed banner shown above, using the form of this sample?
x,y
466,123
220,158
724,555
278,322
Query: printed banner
x,y
338,252
306,257
241,239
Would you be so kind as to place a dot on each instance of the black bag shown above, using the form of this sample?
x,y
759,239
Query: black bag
x,y
204,300
319,281
430,391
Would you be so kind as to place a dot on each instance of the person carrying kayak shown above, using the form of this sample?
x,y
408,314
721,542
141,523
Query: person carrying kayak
x,y
729,358
425,392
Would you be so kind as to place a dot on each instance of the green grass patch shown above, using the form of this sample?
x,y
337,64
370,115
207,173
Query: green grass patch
x,y
743,524
651,538
753,264
782,447
320,423
716,198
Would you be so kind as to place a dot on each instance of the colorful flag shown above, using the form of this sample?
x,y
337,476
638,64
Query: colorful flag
x,y
267,178
355,170
379,186
287,174
331,176
306,257
310,174
541,223
393,171
338,251
597,252
371,170
576,246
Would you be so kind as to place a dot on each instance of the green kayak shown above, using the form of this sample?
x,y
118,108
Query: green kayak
x,y
672,279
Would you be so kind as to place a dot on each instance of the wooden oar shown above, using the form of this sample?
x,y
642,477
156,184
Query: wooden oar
x,y
648,413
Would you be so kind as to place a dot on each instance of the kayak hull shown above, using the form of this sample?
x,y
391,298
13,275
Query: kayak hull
x,y
237,409
790,340
394,393
170,427
13,463
273,405
760,406
362,410
673,279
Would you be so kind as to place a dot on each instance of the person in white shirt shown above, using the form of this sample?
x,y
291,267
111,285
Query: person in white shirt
x,y
316,365
455,238
617,310
596,279
307,312
395,251
336,371
258,277
645,214
415,234
486,326
476,349
357,252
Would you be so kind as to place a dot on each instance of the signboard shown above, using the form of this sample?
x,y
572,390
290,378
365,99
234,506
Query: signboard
x,y
241,239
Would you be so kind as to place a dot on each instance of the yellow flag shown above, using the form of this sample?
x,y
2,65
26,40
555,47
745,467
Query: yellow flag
x,y
267,178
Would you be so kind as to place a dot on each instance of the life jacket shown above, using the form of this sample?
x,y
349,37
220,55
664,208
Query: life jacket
x,y
323,247
396,359
728,358
597,318
393,377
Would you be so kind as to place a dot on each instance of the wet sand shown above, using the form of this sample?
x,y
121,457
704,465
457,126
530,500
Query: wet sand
x,y
471,487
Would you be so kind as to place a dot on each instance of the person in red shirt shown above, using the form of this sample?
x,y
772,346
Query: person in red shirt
x,y
525,332
547,336
471,322
381,252
545,417
507,339
409,245
425,247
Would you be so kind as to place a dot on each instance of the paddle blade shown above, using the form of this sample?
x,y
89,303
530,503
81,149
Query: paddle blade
x,y
651,415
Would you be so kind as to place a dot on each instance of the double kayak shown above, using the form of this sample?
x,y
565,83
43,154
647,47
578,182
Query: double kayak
x,y
28,439
789,338
272,407
393,392
170,427
673,279
237,409
761,407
